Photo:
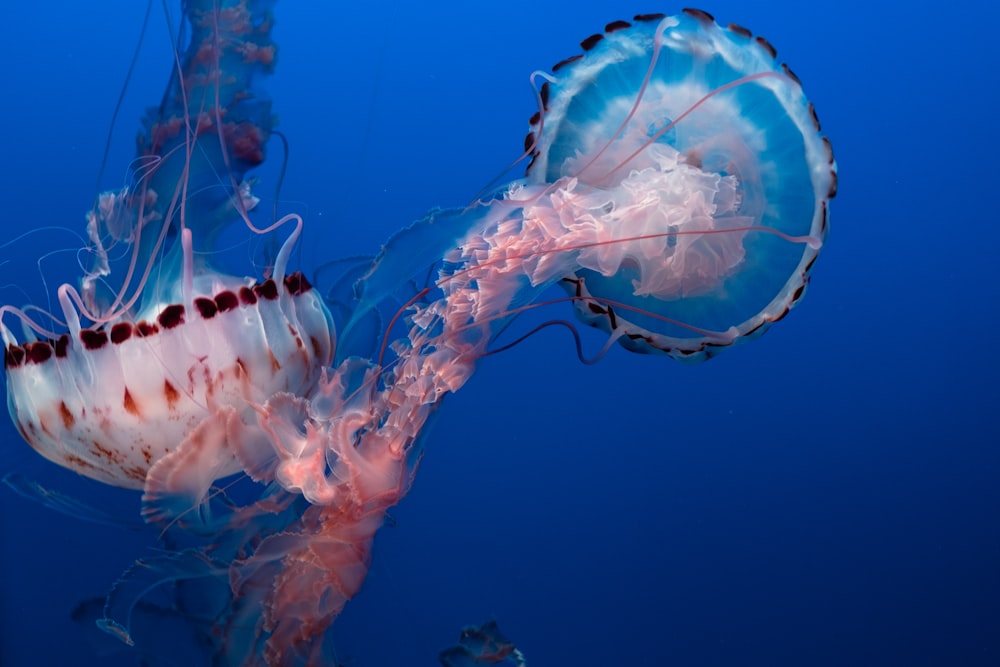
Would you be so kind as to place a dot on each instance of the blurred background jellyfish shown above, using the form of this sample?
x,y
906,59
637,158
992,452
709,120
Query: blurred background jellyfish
x,y
676,189
482,645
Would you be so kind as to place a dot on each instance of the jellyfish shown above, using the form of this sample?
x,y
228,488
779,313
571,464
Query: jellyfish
x,y
482,645
173,342
676,191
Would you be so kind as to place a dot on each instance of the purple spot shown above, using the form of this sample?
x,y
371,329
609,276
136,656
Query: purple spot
x,y
206,307
226,301
297,284
171,316
144,328
13,356
247,297
38,352
591,41
93,340
266,290
121,332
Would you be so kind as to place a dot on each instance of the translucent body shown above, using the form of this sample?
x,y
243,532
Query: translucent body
x,y
677,190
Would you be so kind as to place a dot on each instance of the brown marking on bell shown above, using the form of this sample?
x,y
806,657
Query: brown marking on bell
x,y
38,352
562,63
596,308
147,455
591,41
781,316
295,334
811,261
226,301
649,17
171,316
296,283
67,417
829,154
317,350
62,346
121,332
241,369
544,91
535,117
74,461
206,307
135,472
130,405
13,356
93,340
578,282
102,452
275,366
791,75
615,26
196,369
766,45
247,297
612,318
529,140
144,329
266,290
171,394
698,14
812,113
740,30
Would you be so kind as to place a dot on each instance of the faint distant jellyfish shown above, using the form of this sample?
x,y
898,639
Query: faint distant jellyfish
x,y
482,645
677,190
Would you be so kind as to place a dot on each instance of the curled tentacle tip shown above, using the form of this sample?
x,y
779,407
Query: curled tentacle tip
x,y
116,630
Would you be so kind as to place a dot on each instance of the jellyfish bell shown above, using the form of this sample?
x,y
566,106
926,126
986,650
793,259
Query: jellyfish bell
x,y
677,189
110,401
703,149
160,348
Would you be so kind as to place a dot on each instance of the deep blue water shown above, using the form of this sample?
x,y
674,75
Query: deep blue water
x,y
827,495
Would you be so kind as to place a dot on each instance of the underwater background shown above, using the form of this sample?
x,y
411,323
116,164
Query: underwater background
x,y
827,495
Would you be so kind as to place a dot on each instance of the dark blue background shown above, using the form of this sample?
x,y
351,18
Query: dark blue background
x,y
827,495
